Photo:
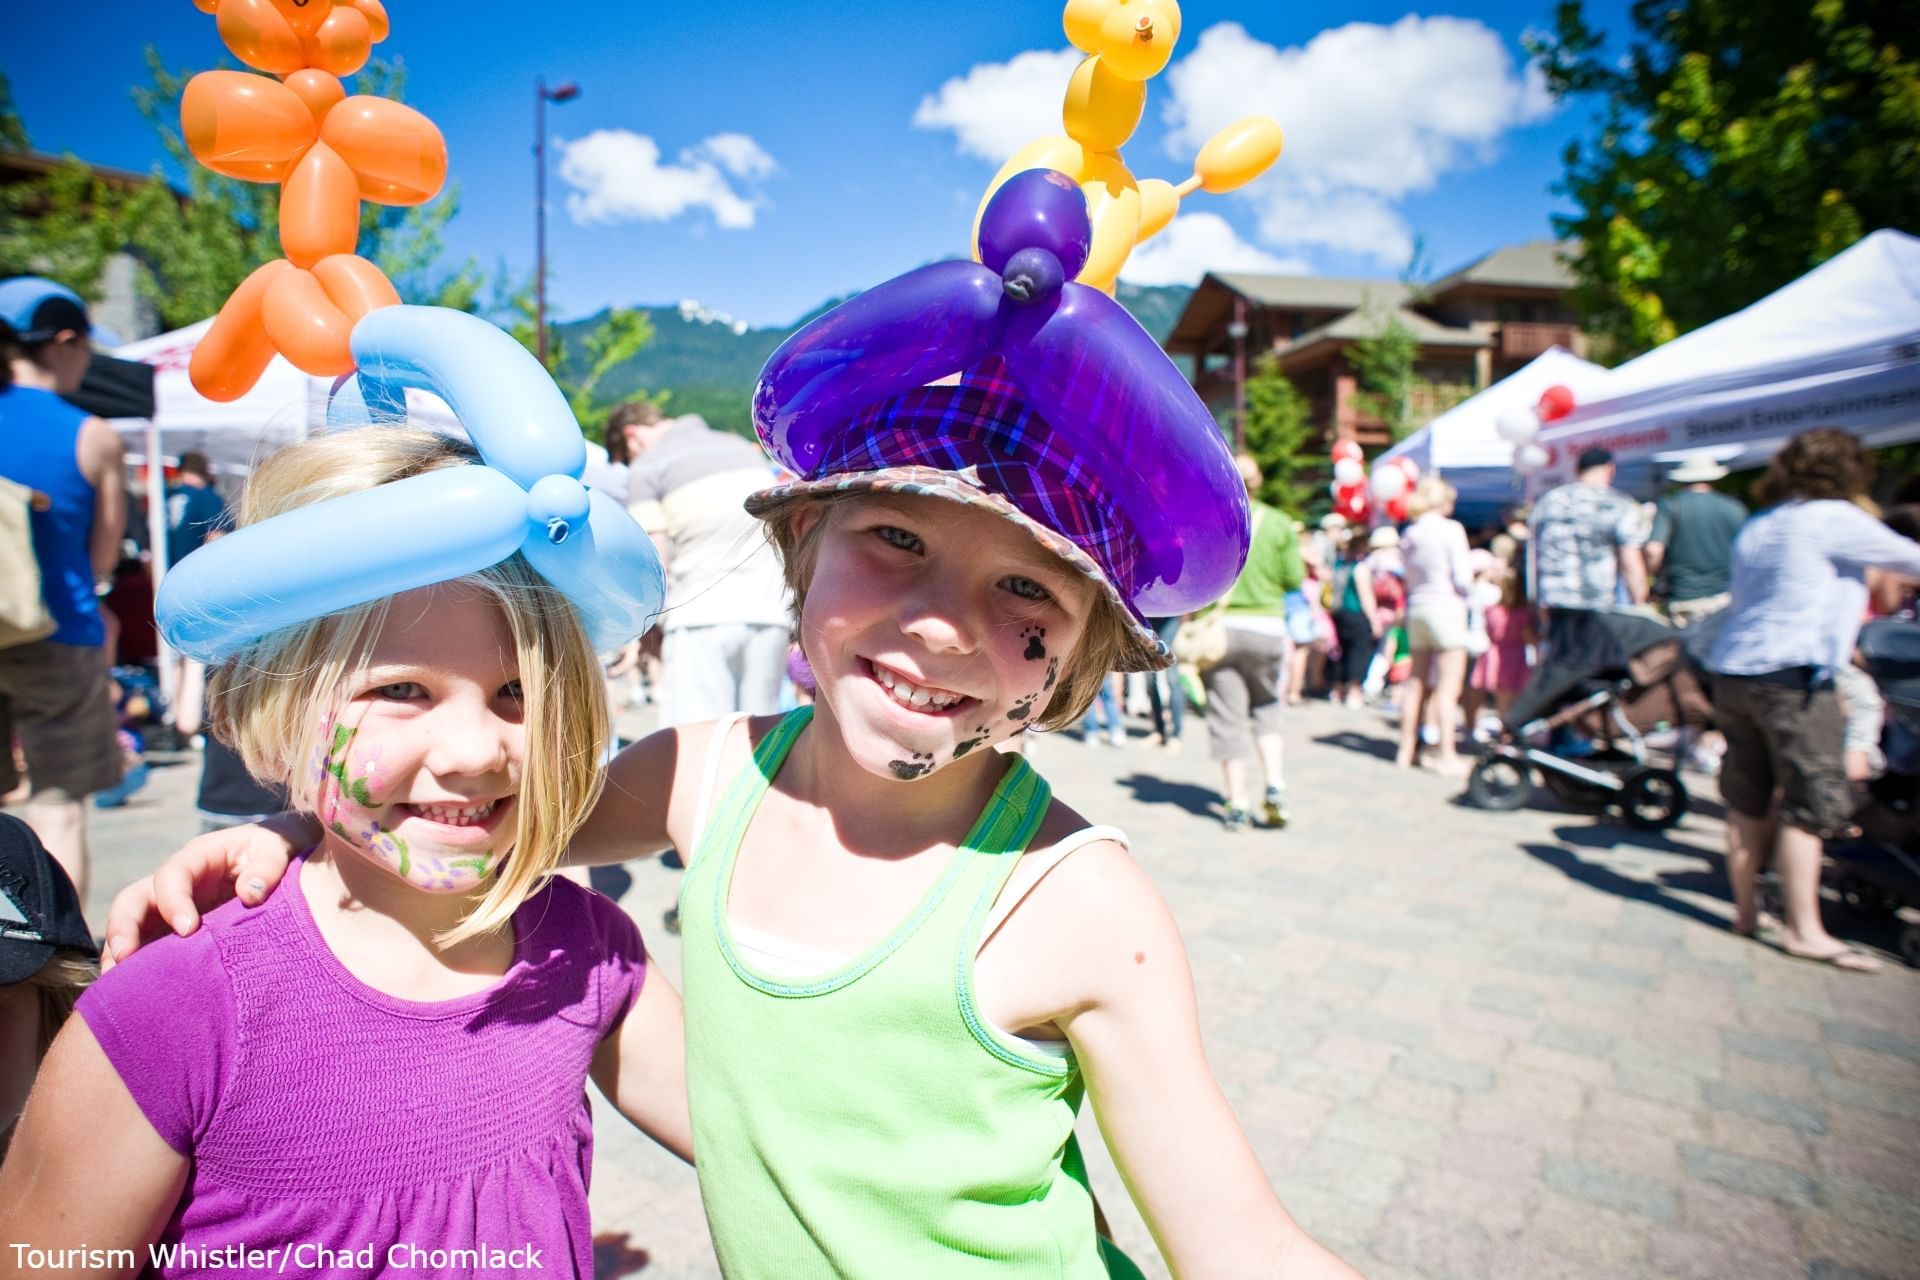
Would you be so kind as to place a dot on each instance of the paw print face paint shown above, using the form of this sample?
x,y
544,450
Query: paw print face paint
x,y
918,766
1036,643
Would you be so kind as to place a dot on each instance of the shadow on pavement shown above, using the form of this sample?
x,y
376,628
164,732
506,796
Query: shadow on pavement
x,y
1659,891
1147,789
1365,744
617,1255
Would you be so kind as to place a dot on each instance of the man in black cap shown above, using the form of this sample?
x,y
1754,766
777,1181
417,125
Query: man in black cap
x,y
47,957
55,692
1586,539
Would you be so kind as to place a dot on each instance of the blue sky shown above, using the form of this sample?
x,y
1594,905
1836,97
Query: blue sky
x,y
762,157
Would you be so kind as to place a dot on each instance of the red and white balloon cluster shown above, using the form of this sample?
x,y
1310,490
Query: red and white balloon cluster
x,y
1520,427
1356,495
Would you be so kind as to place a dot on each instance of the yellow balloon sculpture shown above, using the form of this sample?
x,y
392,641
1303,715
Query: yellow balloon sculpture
x,y
1127,43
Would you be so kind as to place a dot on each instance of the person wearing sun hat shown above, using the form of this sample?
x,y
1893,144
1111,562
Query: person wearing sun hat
x,y
54,690
1690,551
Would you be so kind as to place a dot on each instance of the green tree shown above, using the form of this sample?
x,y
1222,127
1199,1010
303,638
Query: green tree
x,y
1386,364
1280,435
1739,143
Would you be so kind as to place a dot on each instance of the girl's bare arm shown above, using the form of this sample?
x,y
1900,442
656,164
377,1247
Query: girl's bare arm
x,y
642,1066
1135,1029
86,1168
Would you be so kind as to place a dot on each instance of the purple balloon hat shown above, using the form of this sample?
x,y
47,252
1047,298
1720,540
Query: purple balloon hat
x,y
1065,409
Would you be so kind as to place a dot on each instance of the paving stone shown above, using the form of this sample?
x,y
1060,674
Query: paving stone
x,y
1567,1038
1470,1046
1872,1129
1500,1207
1505,999
1355,1053
1509,1161
1827,1269
1745,1174
1874,1067
1612,1107
1901,1103
1341,1168
1778,1050
1868,1204
1687,1255
1468,1077
1610,1188
1660,1059
1898,1170
1560,1062
1851,1033
1527,1260
1415,1099
1643,1152
1339,1222
1764,1106
1492,1114
1656,1084
1432,1244
1415,1140
1745,1136
1797,1083
1706,1209
1337,1083
1833,1245
1577,1228
1373,1026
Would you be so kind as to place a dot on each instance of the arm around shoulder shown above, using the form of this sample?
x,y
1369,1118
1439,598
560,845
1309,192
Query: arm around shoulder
x,y
1135,1028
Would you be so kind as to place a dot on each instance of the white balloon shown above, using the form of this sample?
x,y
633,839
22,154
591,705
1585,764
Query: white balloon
x,y
1518,425
1388,483
1411,468
1529,458
1349,471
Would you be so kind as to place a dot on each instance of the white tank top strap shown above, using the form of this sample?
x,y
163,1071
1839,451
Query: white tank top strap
x,y
1035,866
709,778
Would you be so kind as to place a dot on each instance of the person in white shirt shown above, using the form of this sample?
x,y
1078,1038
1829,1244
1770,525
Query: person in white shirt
x,y
1439,574
1799,593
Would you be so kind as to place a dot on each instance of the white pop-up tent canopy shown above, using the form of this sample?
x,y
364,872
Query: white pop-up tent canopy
x,y
1839,347
1462,444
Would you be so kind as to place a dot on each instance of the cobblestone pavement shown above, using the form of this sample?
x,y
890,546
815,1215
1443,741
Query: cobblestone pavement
x,y
1464,1044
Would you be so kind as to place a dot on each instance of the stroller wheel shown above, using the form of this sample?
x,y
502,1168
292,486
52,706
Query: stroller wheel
x,y
1654,799
1500,783
1862,898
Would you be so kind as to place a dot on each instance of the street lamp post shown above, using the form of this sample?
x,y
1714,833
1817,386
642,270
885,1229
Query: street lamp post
x,y
1238,332
541,97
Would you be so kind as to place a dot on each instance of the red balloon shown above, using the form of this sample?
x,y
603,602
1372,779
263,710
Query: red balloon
x,y
1343,449
1556,402
1397,509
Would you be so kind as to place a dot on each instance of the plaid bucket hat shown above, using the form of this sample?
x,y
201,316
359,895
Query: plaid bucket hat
x,y
978,443
1002,384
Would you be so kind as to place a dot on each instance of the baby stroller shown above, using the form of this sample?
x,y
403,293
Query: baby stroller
x,y
1879,873
1582,722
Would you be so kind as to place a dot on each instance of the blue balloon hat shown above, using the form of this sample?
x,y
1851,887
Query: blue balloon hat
x,y
524,496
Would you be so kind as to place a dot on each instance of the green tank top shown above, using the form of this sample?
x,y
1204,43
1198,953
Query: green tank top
x,y
870,1123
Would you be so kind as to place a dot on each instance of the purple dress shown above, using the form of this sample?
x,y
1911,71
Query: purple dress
x,y
371,1135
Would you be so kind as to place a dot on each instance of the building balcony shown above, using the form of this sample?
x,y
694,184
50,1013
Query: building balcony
x,y
1524,341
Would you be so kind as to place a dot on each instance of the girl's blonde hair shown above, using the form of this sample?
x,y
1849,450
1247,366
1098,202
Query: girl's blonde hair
x,y
276,700
1103,641
1431,494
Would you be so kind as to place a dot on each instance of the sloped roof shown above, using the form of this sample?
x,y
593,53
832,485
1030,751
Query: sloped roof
x,y
1327,293
1537,264
1370,322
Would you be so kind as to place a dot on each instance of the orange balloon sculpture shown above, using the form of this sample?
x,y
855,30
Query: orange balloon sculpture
x,y
328,152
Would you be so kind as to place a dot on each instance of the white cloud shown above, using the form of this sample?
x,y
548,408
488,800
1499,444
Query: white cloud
x,y
1372,114
1196,243
617,176
999,107
739,155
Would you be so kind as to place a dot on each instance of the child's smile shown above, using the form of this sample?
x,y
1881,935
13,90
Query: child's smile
x,y
421,770
935,629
